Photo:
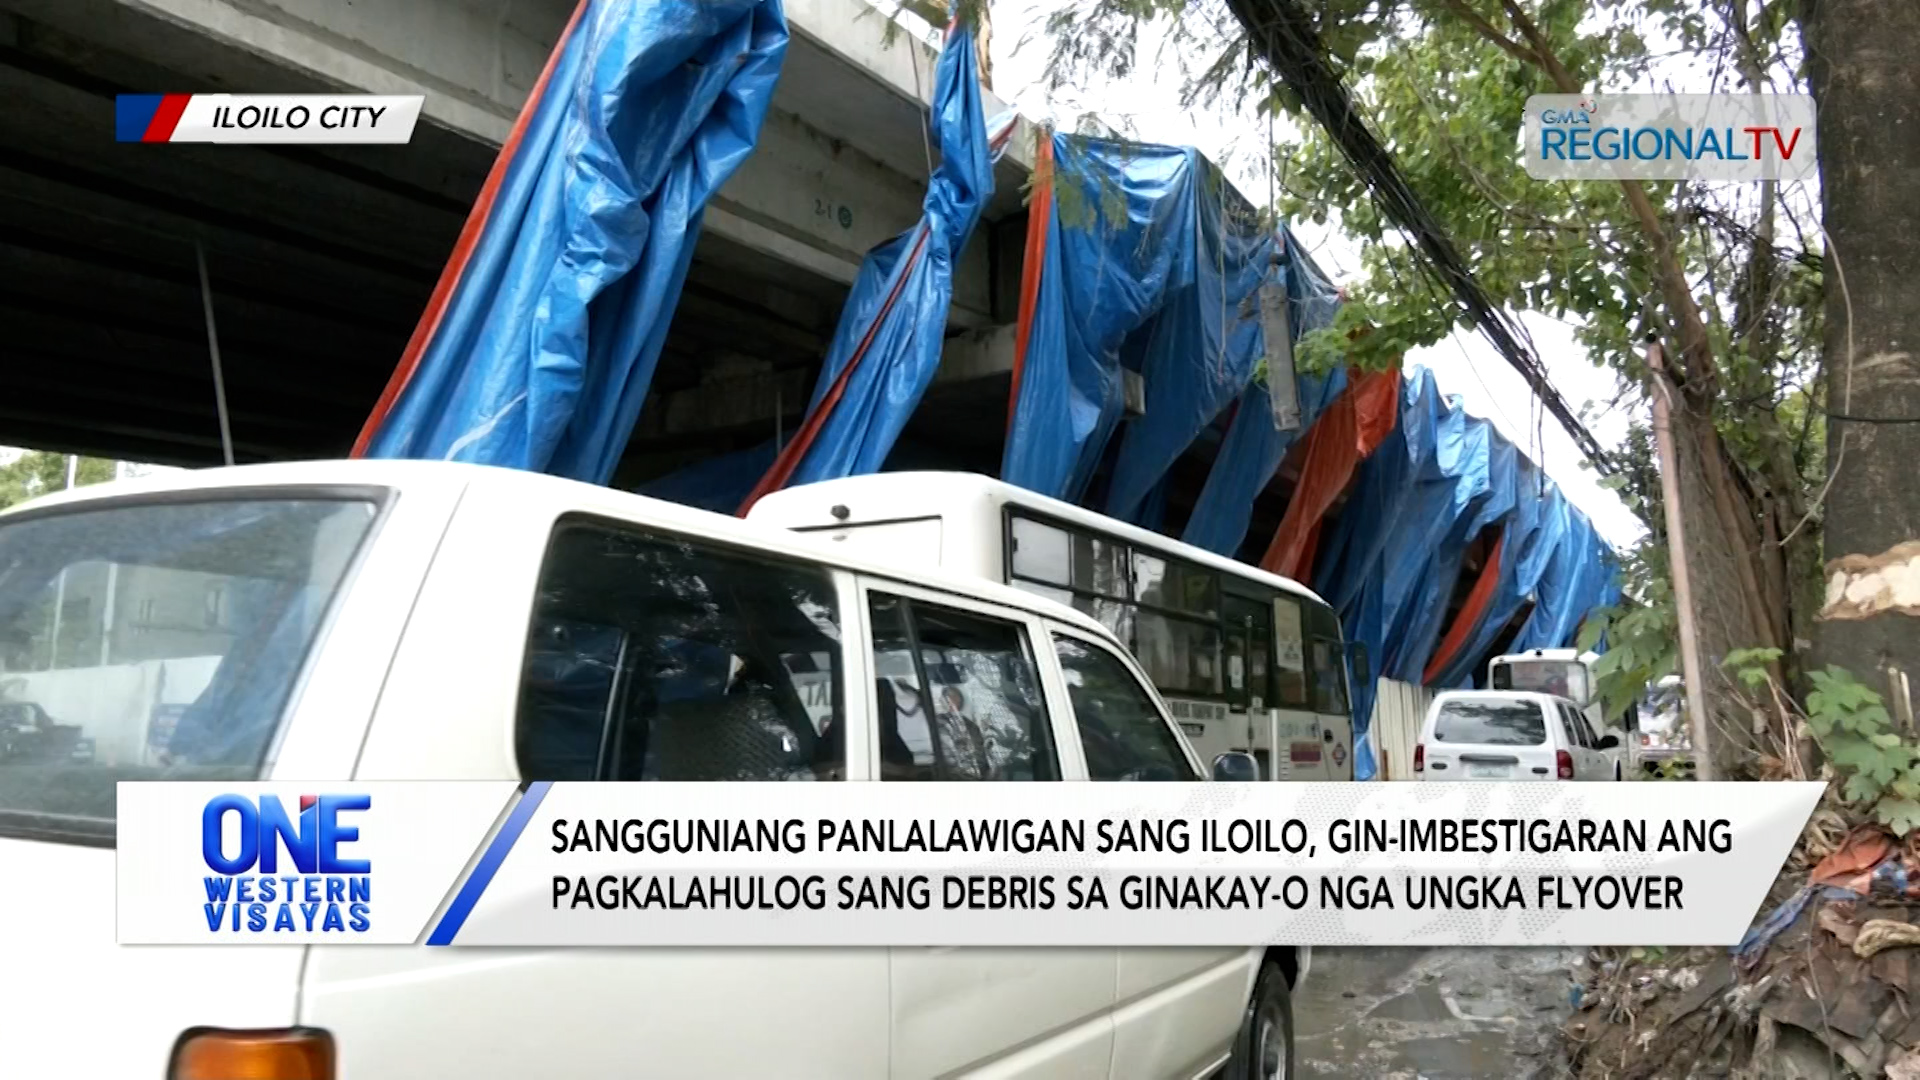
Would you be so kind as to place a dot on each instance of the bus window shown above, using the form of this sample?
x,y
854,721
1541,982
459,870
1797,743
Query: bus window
x,y
1329,678
1329,660
1289,654
1099,566
1248,639
1041,553
1178,655
1561,678
1150,581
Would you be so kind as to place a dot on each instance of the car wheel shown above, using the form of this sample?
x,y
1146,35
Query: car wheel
x,y
1617,777
1264,1050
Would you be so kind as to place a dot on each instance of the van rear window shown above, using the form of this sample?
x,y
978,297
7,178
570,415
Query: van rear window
x,y
1508,722
154,641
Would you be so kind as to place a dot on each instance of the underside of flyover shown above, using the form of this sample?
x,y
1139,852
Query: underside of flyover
x,y
321,258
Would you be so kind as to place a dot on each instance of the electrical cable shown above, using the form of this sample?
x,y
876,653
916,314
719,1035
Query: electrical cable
x,y
1285,38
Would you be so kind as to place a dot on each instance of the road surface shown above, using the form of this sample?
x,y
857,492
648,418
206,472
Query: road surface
x,y
1434,1014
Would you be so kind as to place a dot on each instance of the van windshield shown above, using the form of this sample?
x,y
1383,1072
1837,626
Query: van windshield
x,y
154,641
1494,722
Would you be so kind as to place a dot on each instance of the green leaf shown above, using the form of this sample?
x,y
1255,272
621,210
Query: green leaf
x,y
1899,815
1860,789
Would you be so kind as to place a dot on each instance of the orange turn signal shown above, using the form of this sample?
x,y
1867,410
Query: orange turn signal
x,y
269,1054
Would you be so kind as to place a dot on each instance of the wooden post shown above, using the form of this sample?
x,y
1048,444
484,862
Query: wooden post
x,y
1695,689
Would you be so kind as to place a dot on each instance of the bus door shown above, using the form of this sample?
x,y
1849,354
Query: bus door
x,y
1327,659
1299,751
1249,652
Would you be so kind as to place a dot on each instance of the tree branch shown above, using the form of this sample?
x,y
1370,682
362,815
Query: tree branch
x,y
1487,30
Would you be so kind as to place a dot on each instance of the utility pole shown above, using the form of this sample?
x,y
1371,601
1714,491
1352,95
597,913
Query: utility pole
x,y
1694,693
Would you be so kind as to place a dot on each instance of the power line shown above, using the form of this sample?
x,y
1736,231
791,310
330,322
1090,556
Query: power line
x,y
1284,37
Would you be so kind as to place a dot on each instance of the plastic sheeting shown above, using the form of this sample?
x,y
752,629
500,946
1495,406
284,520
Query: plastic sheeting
x,y
539,342
1199,350
1357,422
1406,528
1528,542
1141,257
1254,445
887,345
716,484
1441,480
1579,576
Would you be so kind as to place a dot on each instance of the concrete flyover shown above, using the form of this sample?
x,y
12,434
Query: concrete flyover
x,y
321,257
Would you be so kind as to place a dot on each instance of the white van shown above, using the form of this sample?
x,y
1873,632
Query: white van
x,y
417,620
1510,735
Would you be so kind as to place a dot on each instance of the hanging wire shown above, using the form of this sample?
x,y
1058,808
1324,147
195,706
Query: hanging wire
x,y
213,351
1285,38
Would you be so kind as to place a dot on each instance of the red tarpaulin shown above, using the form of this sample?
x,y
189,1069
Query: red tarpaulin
x,y
1351,428
1468,620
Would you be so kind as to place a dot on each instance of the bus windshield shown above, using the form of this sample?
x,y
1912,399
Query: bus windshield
x,y
1562,678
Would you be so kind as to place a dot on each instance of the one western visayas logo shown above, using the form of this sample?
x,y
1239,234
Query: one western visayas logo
x,y
317,887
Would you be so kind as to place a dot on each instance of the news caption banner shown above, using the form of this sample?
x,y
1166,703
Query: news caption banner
x,y
597,864
266,118
1723,137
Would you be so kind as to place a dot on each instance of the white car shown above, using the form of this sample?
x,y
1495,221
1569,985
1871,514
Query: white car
x,y
1511,735
420,620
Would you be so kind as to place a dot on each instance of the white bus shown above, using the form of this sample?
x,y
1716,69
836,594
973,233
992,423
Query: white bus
x,y
1569,674
1248,661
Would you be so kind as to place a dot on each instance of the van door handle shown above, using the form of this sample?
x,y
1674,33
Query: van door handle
x,y
1327,735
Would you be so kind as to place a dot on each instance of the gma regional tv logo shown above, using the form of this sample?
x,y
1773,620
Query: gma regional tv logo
x,y
276,871
1732,137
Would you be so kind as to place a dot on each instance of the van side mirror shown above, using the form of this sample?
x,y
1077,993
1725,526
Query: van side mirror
x,y
1236,767
1607,742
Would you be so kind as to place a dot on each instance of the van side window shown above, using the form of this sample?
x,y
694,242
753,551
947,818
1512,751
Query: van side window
x,y
956,696
1577,726
652,657
1123,734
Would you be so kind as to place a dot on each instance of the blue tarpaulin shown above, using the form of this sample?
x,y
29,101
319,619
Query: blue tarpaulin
x,y
1151,262
1254,444
540,341
1441,480
887,345
1578,577
716,484
1531,536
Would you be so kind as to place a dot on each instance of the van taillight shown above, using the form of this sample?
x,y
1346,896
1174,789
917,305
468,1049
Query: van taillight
x,y
1419,757
1565,761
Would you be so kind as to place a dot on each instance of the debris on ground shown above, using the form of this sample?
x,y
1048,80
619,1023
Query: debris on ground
x,y
1823,986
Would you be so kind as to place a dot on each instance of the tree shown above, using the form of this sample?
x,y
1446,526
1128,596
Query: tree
x,y
37,472
1732,279
1860,55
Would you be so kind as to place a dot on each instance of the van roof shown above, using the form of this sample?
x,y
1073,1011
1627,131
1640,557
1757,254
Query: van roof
x,y
486,481
902,492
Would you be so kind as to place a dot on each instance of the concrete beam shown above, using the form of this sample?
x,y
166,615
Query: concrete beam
x,y
976,354
842,162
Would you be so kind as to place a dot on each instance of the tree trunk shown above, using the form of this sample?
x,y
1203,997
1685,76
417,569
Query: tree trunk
x,y
1860,57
